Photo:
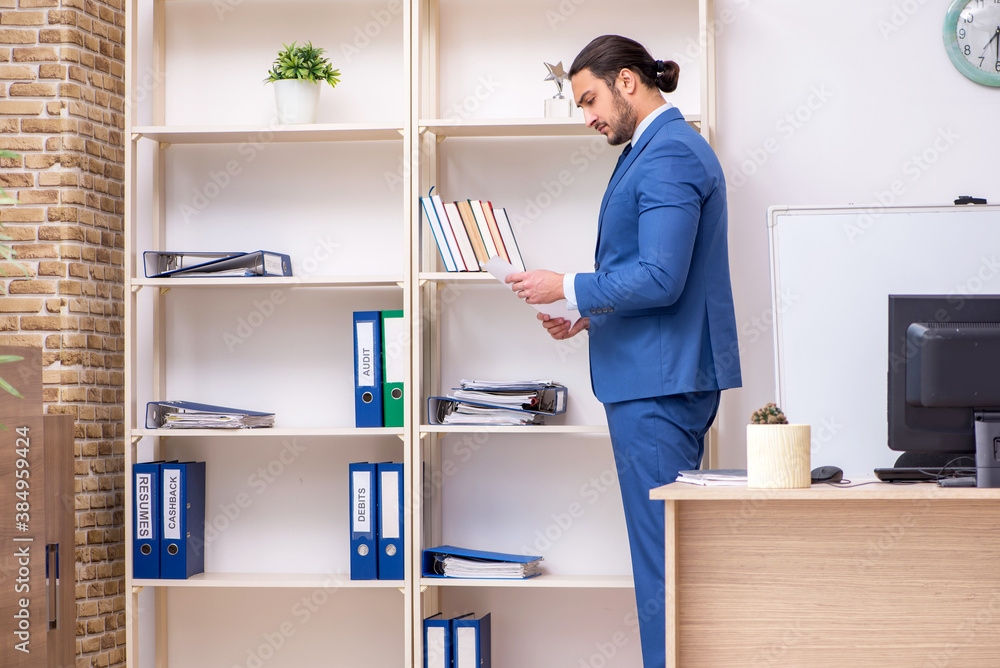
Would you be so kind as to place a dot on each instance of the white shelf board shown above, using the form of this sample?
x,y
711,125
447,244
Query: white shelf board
x,y
273,580
264,432
267,134
278,281
483,277
513,127
515,429
542,581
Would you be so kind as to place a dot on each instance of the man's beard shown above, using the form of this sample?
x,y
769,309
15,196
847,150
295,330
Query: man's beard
x,y
622,125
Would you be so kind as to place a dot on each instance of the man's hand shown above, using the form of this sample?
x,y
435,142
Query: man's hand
x,y
561,328
538,286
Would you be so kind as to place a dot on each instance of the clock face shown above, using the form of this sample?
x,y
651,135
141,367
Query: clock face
x,y
972,39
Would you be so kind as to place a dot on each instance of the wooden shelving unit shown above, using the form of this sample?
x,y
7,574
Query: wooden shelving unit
x,y
431,138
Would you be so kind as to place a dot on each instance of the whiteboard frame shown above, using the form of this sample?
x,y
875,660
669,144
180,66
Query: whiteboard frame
x,y
778,213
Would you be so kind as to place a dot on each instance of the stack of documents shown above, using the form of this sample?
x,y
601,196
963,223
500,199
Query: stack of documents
x,y
457,567
714,477
503,402
457,562
167,264
190,415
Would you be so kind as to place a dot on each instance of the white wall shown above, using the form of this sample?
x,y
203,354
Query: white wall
x,y
852,103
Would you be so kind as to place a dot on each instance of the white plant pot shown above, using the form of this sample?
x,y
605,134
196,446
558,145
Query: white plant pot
x,y
297,101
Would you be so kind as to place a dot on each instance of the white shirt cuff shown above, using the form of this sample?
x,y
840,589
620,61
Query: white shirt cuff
x,y
569,290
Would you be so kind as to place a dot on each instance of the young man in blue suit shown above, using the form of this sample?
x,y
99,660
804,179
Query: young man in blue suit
x,y
659,303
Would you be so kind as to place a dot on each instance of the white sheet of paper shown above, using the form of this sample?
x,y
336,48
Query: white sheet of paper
x,y
501,269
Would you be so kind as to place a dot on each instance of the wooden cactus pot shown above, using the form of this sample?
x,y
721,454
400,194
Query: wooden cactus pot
x,y
778,456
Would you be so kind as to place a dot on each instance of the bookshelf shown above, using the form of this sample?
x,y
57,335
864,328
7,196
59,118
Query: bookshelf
x,y
549,489
209,168
423,101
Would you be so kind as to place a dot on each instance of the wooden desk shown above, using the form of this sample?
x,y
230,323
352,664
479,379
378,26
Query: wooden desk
x,y
887,576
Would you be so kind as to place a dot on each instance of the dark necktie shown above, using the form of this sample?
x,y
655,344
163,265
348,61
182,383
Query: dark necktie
x,y
621,159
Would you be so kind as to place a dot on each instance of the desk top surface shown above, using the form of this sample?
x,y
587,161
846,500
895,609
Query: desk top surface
x,y
682,491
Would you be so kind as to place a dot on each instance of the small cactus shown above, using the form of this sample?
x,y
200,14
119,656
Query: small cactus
x,y
769,414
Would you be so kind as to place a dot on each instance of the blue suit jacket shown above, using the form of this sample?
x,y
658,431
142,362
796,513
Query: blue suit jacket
x,y
660,300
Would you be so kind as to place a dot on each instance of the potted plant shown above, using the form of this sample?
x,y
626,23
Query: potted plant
x,y
777,452
297,73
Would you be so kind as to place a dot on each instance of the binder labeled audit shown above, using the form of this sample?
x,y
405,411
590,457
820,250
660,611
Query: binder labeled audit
x,y
182,543
367,369
166,264
146,520
395,340
390,521
471,642
437,642
363,487
192,415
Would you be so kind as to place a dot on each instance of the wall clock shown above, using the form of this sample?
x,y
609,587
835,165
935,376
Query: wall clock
x,y
972,39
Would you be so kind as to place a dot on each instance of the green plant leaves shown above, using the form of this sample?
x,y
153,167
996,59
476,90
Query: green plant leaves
x,y
3,383
304,62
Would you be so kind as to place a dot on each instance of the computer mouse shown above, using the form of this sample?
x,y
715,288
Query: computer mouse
x,y
827,474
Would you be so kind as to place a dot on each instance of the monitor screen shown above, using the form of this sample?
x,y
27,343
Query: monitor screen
x,y
944,364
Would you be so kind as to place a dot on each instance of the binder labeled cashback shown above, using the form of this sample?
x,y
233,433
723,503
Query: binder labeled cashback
x,y
395,340
182,543
367,369
167,264
146,520
363,486
390,521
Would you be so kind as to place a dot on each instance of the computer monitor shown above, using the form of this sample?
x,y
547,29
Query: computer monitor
x,y
944,378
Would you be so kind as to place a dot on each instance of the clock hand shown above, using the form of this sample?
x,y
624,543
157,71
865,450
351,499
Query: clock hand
x,y
996,36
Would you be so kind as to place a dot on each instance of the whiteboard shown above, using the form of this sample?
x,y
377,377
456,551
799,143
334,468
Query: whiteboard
x,y
832,270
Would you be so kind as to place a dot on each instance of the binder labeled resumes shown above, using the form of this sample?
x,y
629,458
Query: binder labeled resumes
x,y
146,520
471,642
363,487
394,345
367,369
182,543
437,642
390,521
166,264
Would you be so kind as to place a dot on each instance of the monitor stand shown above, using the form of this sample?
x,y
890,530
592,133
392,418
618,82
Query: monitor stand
x,y
987,428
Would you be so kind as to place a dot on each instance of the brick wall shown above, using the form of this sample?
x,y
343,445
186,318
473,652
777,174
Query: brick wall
x,y
62,110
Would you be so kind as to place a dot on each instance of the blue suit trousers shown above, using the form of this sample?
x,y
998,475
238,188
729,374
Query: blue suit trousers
x,y
653,439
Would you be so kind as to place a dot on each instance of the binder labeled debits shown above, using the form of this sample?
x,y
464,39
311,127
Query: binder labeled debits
x,y
363,487
390,521
395,340
182,544
146,520
471,642
367,369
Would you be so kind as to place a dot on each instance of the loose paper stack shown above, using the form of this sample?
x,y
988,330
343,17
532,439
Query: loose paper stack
x,y
714,477
458,567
